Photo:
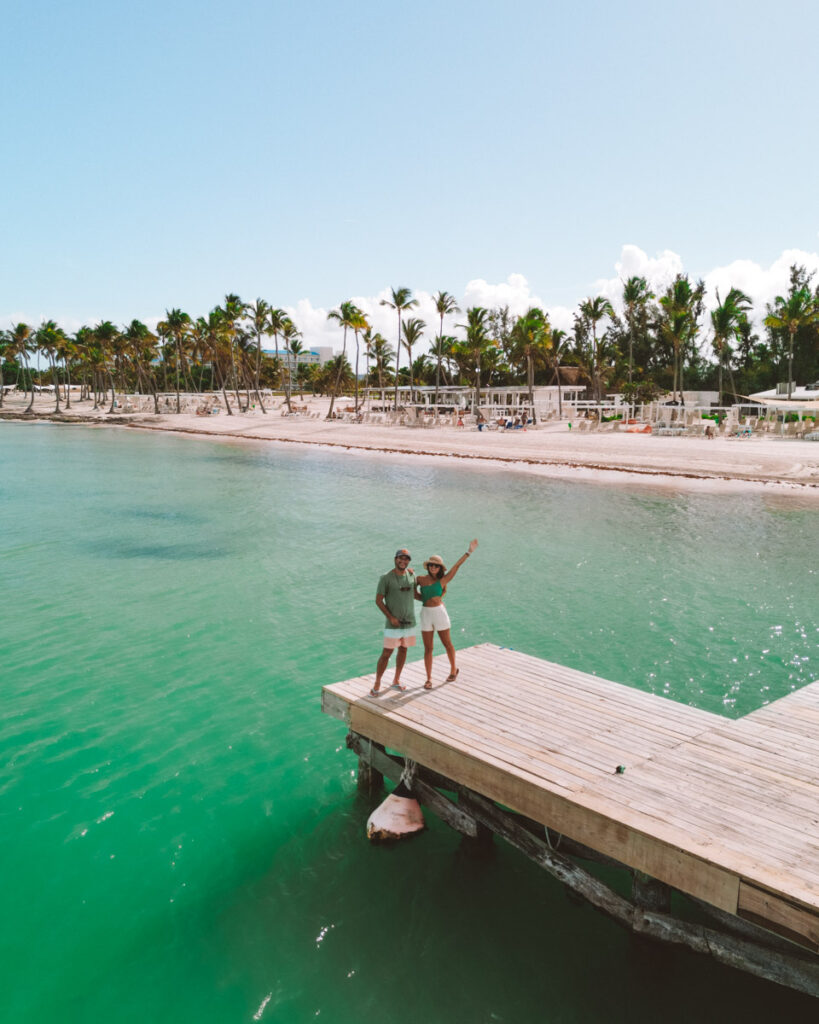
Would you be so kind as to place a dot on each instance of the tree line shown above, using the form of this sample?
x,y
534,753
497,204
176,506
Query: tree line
x,y
657,343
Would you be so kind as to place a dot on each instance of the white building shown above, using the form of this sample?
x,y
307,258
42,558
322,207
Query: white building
x,y
317,356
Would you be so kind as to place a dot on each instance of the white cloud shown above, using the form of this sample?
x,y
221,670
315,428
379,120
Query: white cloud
x,y
514,293
761,284
659,271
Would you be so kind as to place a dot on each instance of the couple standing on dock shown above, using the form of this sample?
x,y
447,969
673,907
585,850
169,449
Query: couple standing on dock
x,y
396,594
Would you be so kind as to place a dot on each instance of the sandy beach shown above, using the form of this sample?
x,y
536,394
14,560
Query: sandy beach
x,y
550,449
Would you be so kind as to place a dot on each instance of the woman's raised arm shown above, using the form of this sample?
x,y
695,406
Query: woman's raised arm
x,y
472,545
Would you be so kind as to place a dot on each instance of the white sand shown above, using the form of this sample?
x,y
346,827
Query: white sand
x,y
552,450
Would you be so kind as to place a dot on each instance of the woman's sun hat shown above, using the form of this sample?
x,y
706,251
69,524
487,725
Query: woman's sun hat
x,y
434,560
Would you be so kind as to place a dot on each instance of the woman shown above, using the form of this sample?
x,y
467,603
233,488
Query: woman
x,y
430,589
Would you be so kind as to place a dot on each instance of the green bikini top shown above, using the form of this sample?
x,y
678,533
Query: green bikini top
x,y
433,590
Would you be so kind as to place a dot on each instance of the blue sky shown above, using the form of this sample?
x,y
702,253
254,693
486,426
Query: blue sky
x,y
163,154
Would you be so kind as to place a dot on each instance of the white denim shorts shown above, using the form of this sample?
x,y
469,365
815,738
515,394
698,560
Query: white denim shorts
x,y
434,618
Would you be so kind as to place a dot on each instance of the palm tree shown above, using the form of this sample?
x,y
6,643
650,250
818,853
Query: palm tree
x,y
446,345
798,309
106,335
358,323
445,305
400,300
259,313
420,368
290,332
176,325
83,341
278,318
682,307
336,374
726,321
19,343
94,357
530,337
413,331
367,337
636,295
382,353
346,314
233,310
5,347
557,340
476,343
141,346
49,338
215,334
296,349
592,311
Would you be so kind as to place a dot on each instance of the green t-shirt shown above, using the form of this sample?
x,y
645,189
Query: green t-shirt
x,y
399,597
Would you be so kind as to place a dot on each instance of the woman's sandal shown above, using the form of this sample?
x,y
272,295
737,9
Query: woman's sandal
x,y
453,676
428,684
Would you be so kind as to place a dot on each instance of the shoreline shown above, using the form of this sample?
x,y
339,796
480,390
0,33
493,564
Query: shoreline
x,y
789,467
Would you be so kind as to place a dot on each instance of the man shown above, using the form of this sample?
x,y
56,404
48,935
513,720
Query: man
x,y
395,597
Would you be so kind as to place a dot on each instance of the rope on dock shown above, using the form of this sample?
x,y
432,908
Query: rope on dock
x,y
409,773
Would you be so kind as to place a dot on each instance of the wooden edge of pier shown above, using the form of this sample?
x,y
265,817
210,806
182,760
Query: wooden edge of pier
x,y
566,766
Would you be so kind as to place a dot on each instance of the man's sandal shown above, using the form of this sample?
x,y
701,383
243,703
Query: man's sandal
x,y
375,693
398,686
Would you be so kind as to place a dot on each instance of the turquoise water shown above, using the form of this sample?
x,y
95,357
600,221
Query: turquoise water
x,y
181,834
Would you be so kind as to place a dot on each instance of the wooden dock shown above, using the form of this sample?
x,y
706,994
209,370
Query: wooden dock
x,y
724,811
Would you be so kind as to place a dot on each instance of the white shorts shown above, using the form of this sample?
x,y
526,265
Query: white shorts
x,y
434,618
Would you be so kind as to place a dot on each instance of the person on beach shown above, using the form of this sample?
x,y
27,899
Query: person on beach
x,y
395,597
430,590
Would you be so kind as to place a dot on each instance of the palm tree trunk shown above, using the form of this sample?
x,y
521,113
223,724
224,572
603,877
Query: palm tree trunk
x,y
397,361
719,378
338,375
221,381
674,386
791,333
530,377
178,406
438,365
559,389
31,382
235,377
356,372
56,384
259,371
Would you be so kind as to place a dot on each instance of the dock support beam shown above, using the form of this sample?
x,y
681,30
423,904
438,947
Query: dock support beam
x,y
370,779
649,894
483,838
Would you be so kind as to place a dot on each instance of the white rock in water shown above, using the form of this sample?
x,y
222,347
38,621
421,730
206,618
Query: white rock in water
x,y
397,816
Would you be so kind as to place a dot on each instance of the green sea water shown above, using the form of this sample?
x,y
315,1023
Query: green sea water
x,y
182,839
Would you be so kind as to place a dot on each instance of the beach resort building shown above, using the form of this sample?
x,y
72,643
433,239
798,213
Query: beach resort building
x,y
316,356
